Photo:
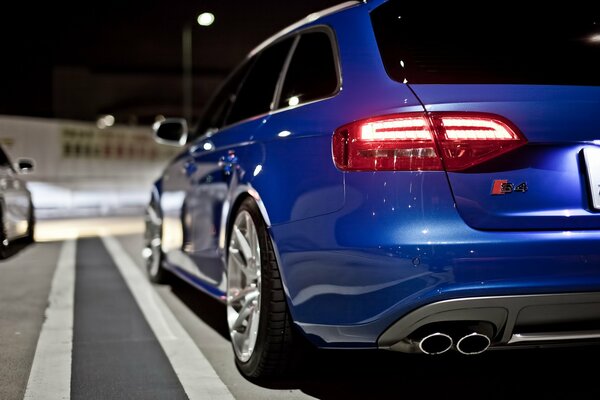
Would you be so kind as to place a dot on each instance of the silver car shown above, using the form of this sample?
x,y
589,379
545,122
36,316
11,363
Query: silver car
x,y
16,207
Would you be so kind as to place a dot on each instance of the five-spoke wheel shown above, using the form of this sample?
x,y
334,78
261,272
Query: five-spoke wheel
x,y
257,315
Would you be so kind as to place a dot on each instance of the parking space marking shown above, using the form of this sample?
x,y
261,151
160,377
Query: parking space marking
x,y
197,376
50,375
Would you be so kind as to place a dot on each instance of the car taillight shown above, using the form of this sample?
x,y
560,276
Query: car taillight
x,y
423,142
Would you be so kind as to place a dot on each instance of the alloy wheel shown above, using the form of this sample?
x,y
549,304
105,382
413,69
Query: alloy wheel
x,y
243,286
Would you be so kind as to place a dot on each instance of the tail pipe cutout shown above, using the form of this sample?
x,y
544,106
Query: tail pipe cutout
x,y
468,338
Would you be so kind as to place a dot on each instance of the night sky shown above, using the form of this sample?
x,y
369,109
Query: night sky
x,y
127,38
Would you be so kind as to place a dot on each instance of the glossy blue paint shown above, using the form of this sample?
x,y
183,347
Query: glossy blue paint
x,y
359,250
360,269
558,122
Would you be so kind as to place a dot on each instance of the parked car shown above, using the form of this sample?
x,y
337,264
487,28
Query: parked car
x,y
394,175
16,209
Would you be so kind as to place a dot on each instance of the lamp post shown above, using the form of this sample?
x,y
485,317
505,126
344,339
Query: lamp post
x,y
204,19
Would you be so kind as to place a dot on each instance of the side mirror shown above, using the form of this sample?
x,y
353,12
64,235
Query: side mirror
x,y
25,165
172,131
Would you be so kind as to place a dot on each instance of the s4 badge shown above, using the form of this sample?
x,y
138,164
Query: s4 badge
x,y
502,186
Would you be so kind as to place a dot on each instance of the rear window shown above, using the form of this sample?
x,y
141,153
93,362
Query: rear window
x,y
421,42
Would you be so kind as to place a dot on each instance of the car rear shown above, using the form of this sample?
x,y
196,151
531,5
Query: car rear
x,y
512,103
473,218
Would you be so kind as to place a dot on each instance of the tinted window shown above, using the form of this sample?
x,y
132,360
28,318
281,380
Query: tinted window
x,y
215,113
258,89
459,43
312,73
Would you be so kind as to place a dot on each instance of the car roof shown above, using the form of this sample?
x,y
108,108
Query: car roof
x,y
306,20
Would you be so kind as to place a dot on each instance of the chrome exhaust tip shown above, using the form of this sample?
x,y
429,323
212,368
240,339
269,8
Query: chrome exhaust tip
x,y
473,343
435,343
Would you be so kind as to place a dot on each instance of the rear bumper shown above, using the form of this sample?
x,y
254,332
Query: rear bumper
x,y
350,298
352,274
517,320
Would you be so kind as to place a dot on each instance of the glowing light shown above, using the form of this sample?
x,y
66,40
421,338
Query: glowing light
x,y
146,253
207,146
284,133
105,121
257,169
293,101
475,129
594,38
206,19
399,129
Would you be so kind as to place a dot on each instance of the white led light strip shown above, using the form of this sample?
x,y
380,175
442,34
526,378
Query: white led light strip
x,y
491,130
396,129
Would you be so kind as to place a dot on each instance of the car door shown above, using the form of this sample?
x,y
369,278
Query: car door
x,y
197,184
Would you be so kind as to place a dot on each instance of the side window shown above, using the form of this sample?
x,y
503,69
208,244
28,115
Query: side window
x,y
257,91
215,113
312,73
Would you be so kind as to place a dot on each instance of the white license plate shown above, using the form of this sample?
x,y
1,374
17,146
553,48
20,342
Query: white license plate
x,y
591,156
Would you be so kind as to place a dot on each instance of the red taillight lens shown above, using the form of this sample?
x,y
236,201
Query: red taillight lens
x,y
421,142
466,140
401,142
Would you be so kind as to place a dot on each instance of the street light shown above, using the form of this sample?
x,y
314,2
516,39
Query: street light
x,y
205,19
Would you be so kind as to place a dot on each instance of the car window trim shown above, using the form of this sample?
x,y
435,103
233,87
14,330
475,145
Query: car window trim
x,y
336,60
210,131
297,34
283,73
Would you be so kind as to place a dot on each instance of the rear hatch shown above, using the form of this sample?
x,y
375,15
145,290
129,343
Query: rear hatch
x,y
539,72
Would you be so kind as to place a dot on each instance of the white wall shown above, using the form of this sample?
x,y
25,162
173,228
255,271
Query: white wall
x,y
81,170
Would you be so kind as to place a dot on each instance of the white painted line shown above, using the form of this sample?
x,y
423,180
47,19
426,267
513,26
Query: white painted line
x,y
50,375
197,376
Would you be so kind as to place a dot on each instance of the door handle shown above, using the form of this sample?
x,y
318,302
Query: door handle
x,y
188,168
228,163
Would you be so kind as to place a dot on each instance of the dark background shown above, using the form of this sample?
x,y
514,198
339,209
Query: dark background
x,y
80,60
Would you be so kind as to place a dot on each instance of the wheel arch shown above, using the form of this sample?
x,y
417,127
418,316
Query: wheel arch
x,y
228,216
230,207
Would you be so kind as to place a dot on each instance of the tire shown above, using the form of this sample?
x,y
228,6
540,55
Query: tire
x,y
30,238
153,247
262,340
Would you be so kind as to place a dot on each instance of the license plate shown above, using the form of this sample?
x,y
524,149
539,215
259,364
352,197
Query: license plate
x,y
591,156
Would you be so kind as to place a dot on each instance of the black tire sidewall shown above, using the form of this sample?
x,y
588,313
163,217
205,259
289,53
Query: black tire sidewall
x,y
253,367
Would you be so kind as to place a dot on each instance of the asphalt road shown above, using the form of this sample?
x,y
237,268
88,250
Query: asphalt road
x,y
175,344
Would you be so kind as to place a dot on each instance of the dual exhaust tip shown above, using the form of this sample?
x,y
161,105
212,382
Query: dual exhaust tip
x,y
470,344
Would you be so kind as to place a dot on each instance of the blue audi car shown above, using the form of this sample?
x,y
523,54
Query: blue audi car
x,y
392,175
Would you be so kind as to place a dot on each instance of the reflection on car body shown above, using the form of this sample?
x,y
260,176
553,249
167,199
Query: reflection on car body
x,y
364,206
